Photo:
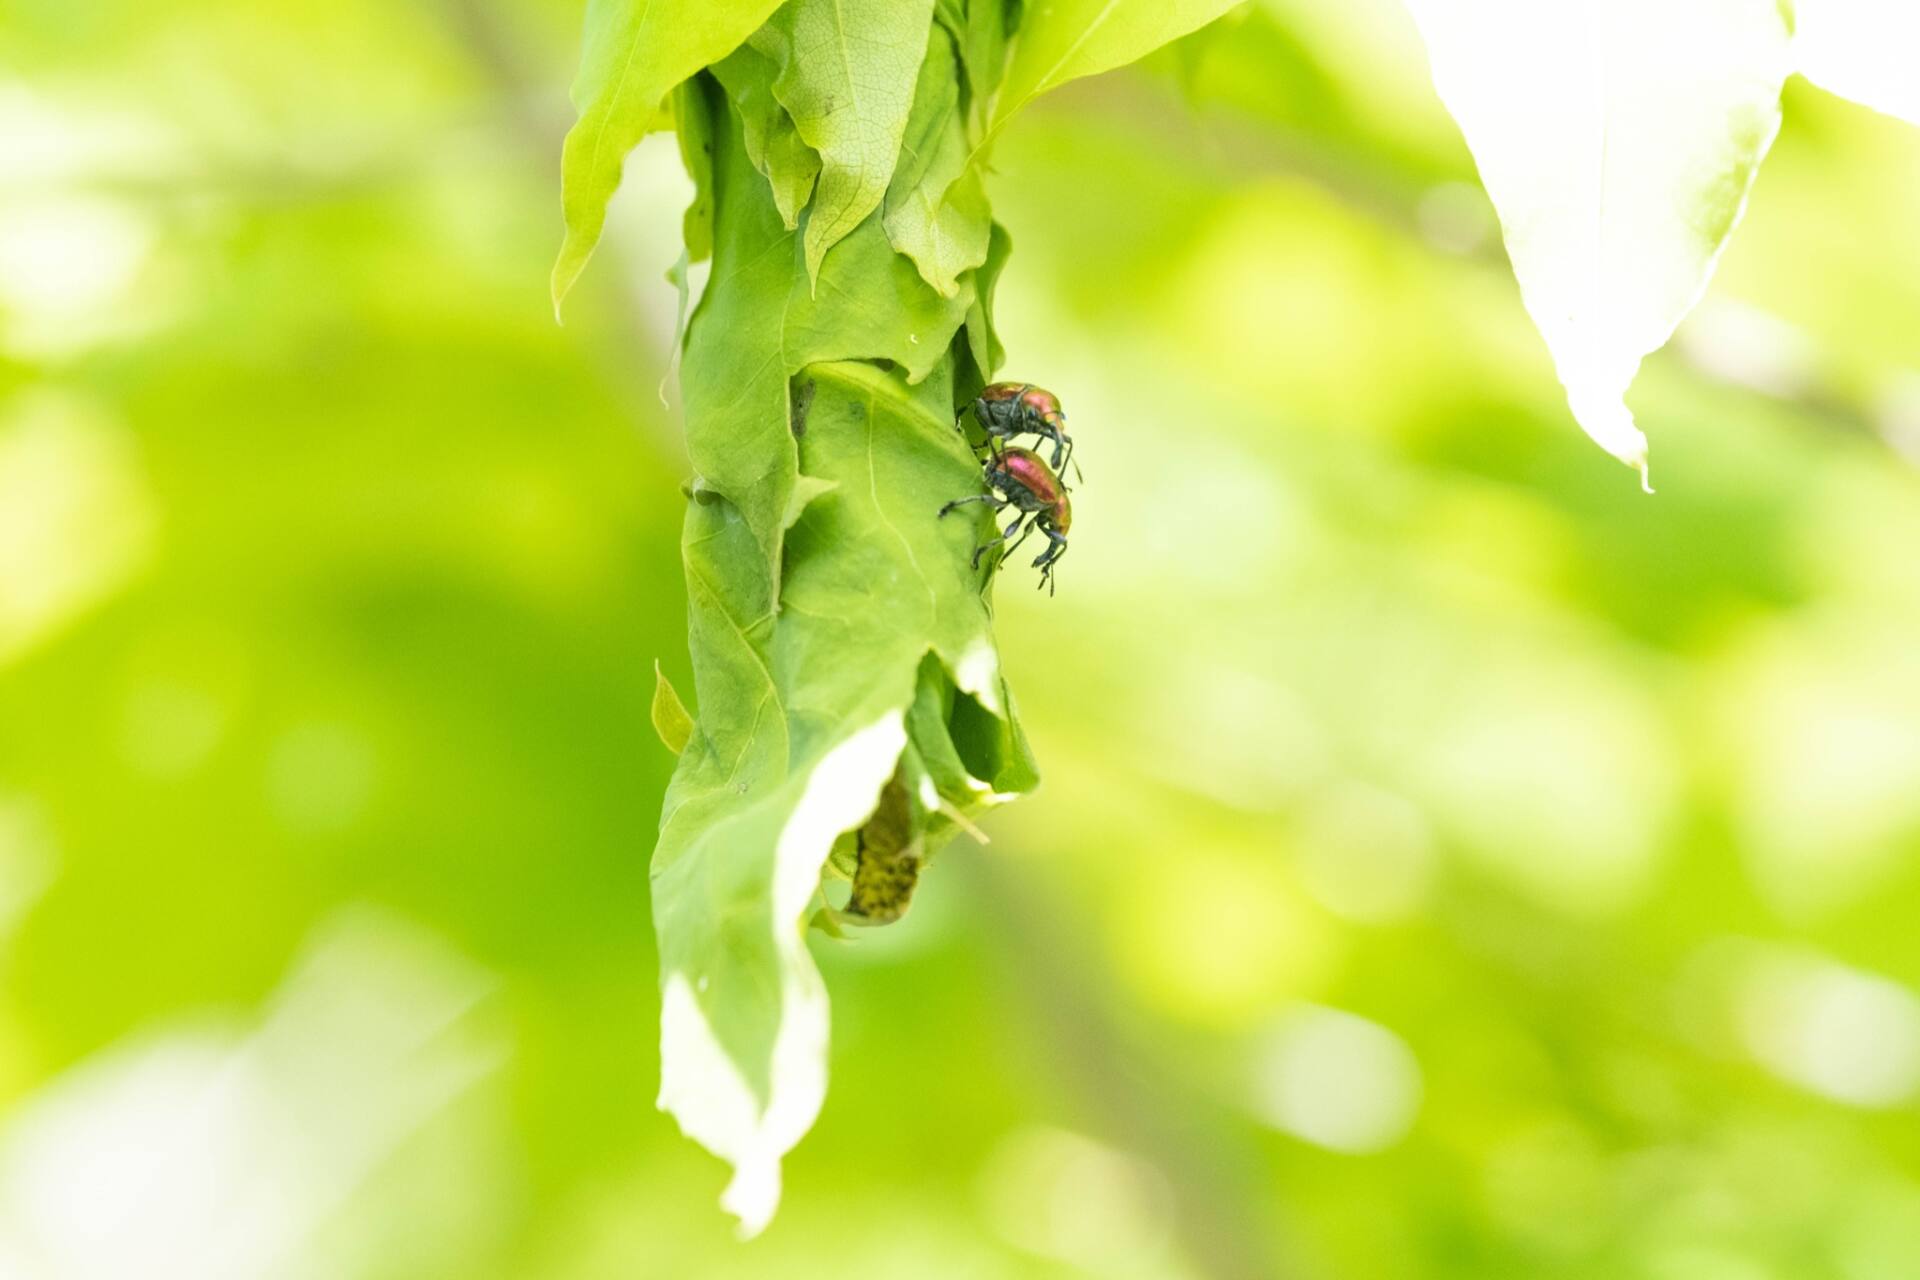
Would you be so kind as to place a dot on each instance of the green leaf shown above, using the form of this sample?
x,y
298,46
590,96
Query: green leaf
x,y
852,712
1618,143
670,718
773,144
759,323
846,74
693,129
936,208
635,52
982,339
804,719
1062,40
983,52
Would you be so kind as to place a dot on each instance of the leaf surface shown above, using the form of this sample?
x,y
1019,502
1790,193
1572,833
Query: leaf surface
x,y
845,75
936,208
1618,142
1062,40
760,322
635,52
773,144
804,719
841,644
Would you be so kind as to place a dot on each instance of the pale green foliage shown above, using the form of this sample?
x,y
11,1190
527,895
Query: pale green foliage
x,y
845,74
635,52
762,321
1062,40
936,209
851,711
839,633
1618,143
773,144
875,583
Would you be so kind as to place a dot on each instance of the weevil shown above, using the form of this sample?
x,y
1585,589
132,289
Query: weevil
x,y
1009,410
1020,478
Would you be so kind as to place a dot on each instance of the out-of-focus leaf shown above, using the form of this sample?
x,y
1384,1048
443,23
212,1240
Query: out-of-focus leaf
x,y
760,322
846,73
635,52
1618,143
670,718
1062,40
936,209
774,145
1861,49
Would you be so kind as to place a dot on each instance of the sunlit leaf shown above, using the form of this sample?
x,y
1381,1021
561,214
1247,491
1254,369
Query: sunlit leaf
x,y
846,74
936,209
1618,143
840,640
635,52
760,322
774,145
803,721
1062,40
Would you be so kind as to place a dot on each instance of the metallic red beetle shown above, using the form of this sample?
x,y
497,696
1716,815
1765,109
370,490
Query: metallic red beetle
x,y
1021,479
1008,410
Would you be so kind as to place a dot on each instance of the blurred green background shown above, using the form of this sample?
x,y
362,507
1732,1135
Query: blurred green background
x,y
1452,862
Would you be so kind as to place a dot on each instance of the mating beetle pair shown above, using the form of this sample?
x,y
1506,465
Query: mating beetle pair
x,y
1008,410
1020,478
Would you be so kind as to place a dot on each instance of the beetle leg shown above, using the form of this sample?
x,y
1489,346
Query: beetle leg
x,y
997,501
1057,547
985,547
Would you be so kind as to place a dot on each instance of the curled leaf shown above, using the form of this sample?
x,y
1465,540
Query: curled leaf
x,y
883,645
936,208
635,52
846,73
759,323
773,143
